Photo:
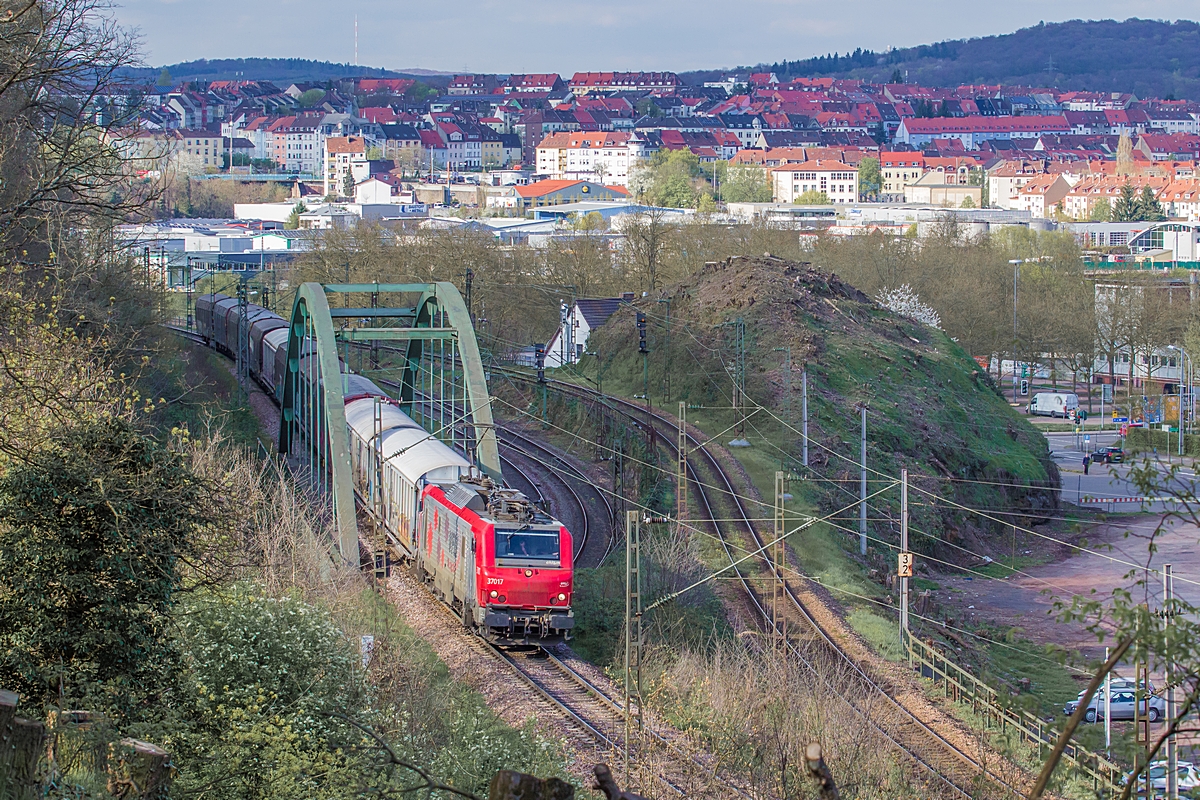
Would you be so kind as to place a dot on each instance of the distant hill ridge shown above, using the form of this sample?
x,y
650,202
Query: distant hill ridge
x,y
1149,58
280,70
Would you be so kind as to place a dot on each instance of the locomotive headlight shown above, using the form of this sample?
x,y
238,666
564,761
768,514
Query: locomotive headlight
x,y
528,573
494,594
561,597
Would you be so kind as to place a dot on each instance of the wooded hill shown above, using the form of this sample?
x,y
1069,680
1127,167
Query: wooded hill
x,y
278,70
1149,58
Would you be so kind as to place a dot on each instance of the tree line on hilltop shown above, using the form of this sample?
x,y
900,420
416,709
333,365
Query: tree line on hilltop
x,y
1149,58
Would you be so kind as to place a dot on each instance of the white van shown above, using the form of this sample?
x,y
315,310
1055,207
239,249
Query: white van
x,y
1053,404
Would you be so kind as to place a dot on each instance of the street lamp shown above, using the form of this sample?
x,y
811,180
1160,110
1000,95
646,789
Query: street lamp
x,y
1016,262
1183,377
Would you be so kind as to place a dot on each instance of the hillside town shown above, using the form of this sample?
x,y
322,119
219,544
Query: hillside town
x,y
535,140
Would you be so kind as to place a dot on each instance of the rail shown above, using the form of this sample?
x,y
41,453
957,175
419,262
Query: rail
x,y
961,686
701,451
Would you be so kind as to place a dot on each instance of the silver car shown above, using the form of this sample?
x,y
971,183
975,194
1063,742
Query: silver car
x,y
1154,708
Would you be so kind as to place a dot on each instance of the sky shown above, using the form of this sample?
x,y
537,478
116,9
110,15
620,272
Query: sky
x,y
566,36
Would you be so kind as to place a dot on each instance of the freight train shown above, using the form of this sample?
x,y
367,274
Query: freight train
x,y
485,550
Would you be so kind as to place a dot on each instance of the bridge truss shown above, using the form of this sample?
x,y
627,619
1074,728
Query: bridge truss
x,y
414,340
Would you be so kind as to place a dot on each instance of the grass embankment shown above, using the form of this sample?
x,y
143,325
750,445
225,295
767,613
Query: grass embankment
x,y
931,410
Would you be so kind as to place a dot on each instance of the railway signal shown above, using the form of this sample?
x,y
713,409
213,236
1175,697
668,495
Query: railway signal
x,y
904,565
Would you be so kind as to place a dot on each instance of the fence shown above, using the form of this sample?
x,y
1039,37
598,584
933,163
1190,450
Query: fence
x,y
963,687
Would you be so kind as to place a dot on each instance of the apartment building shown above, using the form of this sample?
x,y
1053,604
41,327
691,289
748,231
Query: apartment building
x,y
837,180
603,156
898,170
206,147
341,155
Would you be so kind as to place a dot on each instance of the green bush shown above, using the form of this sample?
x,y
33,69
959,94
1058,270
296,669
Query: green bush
x,y
1144,440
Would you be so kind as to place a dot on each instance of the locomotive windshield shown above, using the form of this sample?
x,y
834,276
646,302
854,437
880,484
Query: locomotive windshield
x,y
518,545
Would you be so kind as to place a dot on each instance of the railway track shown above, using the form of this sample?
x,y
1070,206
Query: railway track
x,y
595,540
593,713
570,481
948,765
661,759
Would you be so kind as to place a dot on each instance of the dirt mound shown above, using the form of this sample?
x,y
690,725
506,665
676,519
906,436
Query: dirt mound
x,y
743,282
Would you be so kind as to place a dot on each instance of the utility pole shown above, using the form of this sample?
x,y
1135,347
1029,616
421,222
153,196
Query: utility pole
x,y
1016,263
862,484
645,351
779,559
633,626
681,481
469,279
787,379
740,375
906,560
539,352
1168,611
1107,707
804,410
667,360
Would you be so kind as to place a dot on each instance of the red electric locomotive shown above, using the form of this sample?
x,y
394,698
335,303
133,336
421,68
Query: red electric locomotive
x,y
497,557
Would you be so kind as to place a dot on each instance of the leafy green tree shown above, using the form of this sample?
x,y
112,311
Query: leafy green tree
x,y
273,680
311,99
1126,207
673,177
1148,207
164,79
870,179
1102,211
967,202
293,221
746,184
94,530
813,198
706,204
348,184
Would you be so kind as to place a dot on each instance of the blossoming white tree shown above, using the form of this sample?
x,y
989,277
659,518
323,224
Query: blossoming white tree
x,y
903,300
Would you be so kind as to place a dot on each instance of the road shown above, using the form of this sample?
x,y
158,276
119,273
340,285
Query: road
x,y
1104,480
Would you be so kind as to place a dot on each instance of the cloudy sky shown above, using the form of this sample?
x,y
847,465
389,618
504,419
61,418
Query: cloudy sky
x,y
569,35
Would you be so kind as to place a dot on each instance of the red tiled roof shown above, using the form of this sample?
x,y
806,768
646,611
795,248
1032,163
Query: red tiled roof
x,y
543,188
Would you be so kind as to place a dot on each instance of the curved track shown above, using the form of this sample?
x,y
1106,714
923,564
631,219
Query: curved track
x,y
946,763
595,511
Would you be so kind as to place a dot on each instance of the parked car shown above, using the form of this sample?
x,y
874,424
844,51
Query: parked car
x,y
1189,776
1121,705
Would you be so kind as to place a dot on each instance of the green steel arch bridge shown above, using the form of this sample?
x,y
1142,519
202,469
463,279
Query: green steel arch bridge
x,y
423,346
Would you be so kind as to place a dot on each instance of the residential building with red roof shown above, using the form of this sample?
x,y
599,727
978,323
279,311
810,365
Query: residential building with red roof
x,y
585,82
971,131
1080,202
341,154
1181,199
604,156
898,170
1042,195
534,82
371,86
471,84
